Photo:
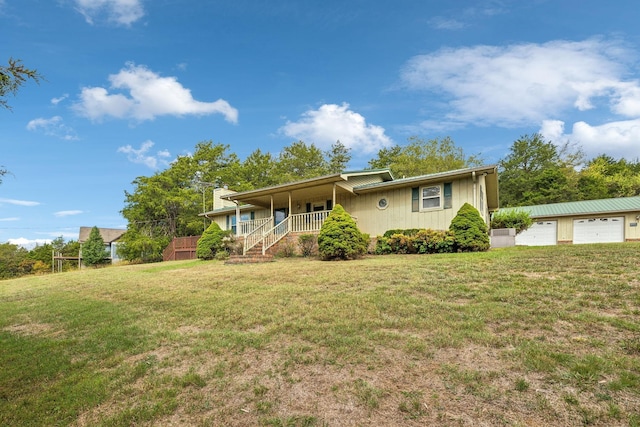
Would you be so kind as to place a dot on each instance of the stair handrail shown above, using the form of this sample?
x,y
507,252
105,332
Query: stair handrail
x,y
275,234
255,237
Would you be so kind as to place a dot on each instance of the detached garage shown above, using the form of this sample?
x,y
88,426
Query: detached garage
x,y
598,230
541,233
589,221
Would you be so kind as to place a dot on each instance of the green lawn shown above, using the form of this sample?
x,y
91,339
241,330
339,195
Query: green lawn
x,y
518,336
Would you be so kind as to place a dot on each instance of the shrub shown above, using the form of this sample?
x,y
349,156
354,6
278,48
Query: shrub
x,y
401,244
406,232
512,218
213,240
382,246
286,250
469,230
307,243
434,241
339,237
421,241
367,243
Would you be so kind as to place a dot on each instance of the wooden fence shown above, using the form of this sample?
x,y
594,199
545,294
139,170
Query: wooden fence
x,y
181,248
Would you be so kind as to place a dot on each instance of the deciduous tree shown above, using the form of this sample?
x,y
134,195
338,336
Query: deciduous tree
x,y
422,157
605,177
537,171
12,77
301,161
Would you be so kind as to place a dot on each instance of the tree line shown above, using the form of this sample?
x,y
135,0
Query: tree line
x,y
535,171
166,204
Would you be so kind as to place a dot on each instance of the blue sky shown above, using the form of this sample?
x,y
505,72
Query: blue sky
x,y
132,84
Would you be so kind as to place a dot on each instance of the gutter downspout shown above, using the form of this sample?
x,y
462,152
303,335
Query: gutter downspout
x,y
475,190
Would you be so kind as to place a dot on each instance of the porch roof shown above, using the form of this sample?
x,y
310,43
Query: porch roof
x,y
308,188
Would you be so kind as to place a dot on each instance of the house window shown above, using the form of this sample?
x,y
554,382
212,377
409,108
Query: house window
x,y
448,195
430,197
231,220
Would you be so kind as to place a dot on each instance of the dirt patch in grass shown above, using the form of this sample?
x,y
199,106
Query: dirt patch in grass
x,y
29,329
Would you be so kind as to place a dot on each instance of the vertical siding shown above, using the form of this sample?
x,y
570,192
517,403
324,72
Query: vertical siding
x,y
632,233
398,214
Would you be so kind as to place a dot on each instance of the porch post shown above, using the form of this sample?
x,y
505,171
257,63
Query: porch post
x,y
333,204
272,215
289,194
237,218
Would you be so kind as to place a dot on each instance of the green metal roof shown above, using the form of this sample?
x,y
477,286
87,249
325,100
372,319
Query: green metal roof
x,y
584,207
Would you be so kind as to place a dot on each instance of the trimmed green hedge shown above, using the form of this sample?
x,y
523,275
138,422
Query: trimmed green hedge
x,y
420,241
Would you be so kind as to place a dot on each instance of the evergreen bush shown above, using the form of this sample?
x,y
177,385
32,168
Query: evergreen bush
x,y
94,252
213,241
340,238
469,230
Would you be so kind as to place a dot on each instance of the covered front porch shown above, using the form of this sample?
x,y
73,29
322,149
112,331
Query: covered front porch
x,y
300,207
263,231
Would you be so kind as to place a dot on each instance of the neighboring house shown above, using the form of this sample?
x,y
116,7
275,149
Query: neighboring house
x,y
376,200
110,237
589,221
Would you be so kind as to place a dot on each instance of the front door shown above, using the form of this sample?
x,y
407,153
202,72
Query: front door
x,y
280,215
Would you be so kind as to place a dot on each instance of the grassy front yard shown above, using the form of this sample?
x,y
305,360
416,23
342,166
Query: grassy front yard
x,y
520,336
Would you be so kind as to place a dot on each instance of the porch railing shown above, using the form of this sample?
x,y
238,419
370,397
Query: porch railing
x,y
297,223
247,227
306,222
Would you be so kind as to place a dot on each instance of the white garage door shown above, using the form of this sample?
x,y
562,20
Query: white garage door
x,y
598,230
541,233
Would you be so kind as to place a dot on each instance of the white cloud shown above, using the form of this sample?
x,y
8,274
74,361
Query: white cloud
x,y
56,101
441,23
617,139
522,84
29,243
9,219
142,156
149,96
19,202
122,12
331,123
67,213
53,127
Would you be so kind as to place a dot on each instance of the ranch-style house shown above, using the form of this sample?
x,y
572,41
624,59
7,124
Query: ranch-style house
x,y
376,201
